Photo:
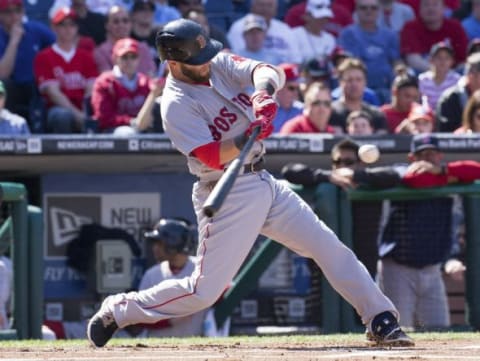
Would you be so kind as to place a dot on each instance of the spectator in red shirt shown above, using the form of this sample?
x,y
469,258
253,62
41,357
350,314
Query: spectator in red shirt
x,y
404,94
65,73
418,36
449,6
123,98
316,113
342,17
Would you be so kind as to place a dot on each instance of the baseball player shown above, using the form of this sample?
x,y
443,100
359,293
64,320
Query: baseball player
x,y
208,117
172,242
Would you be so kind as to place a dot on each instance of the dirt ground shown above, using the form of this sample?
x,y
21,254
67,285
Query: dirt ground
x,y
425,349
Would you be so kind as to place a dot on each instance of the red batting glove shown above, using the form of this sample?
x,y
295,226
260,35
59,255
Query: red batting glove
x,y
264,105
266,128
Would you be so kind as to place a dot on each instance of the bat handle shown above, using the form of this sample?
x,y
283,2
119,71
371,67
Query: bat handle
x,y
225,183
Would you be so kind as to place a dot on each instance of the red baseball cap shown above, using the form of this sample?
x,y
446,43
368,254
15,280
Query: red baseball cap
x,y
63,13
291,71
124,46
5,4
419,111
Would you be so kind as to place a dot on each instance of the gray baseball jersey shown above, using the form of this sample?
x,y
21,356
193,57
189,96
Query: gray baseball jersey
x,y
258,203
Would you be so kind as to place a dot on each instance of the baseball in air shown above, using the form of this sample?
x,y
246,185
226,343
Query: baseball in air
x,y
368,153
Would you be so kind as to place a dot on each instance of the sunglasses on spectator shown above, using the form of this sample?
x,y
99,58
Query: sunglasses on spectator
x,y
120,20
368,7
344,161
325,103
292,88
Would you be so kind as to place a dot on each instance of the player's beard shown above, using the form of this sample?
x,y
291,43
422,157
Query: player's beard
x,y
195,75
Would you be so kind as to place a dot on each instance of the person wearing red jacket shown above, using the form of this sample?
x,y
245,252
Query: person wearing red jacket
x,y
428,171
123,98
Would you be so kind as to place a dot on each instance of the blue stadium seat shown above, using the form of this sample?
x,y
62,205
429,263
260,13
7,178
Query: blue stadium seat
x,y
220,13
38,10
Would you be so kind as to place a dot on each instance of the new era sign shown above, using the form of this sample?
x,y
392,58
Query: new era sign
x,y
65,214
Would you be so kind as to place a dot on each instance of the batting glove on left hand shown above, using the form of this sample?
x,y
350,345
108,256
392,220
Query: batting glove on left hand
x,y
264,105
266,128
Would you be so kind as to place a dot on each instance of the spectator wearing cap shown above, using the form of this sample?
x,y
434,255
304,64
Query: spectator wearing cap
x,y
313,40
471,23
420,120
254,34
404,95
19,43
315,115
419,35
375,45
214,32
471,116
454,99
342,17
279,37
289,105
118,26
10,124
393,15
90,22
440,76
123,98
416,238
352,77
65,73
315,70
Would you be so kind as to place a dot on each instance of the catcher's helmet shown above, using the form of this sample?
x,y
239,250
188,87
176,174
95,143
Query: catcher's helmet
x,y
177,236
185,41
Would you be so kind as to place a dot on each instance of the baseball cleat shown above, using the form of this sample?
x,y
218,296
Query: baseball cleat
x,y
101,327
385,331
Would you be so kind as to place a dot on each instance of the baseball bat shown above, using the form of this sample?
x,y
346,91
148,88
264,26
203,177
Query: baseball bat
x,y
225,183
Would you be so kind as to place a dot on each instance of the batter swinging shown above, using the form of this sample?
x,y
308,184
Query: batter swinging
x,y
208,116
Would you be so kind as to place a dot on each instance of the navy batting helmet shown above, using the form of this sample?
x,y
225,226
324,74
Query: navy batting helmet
x,y
176,235
185,41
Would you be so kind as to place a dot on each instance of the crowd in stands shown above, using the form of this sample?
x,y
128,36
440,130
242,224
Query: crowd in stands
x,y
355,67
397,62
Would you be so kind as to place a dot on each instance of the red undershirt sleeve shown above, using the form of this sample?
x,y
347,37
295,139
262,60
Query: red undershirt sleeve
x,y
209,154
424,180
465,170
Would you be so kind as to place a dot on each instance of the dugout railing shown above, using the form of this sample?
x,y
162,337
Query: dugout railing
x,y
21,236
334,207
